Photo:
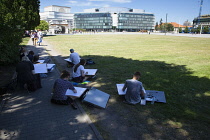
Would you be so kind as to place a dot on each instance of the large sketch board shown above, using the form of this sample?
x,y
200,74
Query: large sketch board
x,y
80,91
159,95
40,68
97,97
119,89
68,60
50,66
91,71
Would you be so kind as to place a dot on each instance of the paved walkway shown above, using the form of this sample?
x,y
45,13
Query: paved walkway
x,y
31,116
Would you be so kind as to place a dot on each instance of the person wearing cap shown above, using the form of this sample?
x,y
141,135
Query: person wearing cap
x,y
135,89
74,58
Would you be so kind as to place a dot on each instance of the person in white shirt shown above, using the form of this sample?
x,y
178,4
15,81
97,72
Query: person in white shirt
x,y
40,35
79,74
74,58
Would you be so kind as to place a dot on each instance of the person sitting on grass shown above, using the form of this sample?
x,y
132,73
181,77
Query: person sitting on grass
x,y
79,72
59,90
74,58
135,89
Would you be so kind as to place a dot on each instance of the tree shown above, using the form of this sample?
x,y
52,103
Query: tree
x,y
15,17
180,30
43,25
161,21
205,29
156,26
186,30
169,27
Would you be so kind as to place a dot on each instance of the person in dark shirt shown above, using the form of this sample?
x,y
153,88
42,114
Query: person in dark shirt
x,y
59,90
25,76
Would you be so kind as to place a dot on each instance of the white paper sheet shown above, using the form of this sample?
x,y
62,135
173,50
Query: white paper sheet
x,y
40,68
80,91
91,71
119,89
67,59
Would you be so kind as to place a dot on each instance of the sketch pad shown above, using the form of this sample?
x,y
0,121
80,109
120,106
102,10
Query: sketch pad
x,y
91,71
67,59
50,66
80,91
159,96
40,68
119,89
97,97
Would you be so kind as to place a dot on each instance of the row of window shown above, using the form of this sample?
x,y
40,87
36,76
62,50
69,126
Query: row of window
x,y
94,24
95,27
92,15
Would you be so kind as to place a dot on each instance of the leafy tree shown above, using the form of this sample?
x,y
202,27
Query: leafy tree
x,y
205,29
180,30
43,25
156,26
169,27
186,30
15,17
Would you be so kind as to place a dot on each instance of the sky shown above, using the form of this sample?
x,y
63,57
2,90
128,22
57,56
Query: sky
x,y
176,10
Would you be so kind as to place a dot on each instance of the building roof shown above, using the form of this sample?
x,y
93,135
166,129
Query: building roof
x,y
176,25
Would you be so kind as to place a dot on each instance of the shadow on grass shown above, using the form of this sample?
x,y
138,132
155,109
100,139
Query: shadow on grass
x,y
185,114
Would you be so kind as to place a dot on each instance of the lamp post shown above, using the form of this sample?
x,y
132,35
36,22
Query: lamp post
x,y
166,23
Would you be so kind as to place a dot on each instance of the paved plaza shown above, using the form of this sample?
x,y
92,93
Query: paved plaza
x,y
31,116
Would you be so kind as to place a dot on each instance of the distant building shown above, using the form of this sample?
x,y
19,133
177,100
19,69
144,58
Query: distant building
x,y
203,20
187,23
59,18
114,18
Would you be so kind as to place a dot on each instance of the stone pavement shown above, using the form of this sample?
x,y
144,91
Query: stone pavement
x,y
31,116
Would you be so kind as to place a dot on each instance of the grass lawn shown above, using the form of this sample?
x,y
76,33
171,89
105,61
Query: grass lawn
x,y
179,66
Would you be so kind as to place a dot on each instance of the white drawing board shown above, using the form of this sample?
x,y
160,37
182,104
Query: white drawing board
x,y
67,59
41,61
119,89
159,96
50,66
97,97
80,91
91,71
40,68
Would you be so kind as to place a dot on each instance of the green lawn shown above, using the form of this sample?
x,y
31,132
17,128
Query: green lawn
x,y
179,66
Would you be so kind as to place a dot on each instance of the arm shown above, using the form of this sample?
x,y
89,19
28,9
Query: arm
x,y
72,88
124,87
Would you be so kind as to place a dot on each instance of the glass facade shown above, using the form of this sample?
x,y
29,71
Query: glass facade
x,y
93,21
135,21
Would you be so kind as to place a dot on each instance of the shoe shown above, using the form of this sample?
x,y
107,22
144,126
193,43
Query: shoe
x,y
74,107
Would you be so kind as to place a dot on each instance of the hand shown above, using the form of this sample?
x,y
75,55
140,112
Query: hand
x,y
75,91
86,73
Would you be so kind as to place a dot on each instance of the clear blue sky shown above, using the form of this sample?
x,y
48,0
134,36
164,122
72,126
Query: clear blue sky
x,y
177,10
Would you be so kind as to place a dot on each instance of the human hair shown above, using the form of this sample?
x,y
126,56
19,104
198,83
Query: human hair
x,y
31,53
137,74
36,58
64,74
82,62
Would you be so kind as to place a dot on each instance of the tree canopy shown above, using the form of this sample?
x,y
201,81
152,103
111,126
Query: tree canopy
x,y
16,16
43,25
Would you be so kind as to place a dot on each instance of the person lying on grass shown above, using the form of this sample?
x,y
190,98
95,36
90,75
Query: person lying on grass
x,y
135,89
79,74
59,90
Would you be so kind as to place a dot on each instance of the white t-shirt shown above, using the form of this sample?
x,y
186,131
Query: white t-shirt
x,y
74,57
78,73
39,34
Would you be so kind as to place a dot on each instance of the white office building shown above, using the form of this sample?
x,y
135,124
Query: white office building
x,y
60,18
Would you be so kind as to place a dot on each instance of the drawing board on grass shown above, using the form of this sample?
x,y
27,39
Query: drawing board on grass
x,y
80,91
97,98
91,71
68,60
119,89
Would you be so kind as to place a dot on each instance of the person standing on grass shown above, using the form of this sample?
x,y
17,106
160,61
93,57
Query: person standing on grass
x,y
59,90
74,58
135,89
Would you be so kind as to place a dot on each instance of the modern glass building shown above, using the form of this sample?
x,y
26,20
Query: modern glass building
x,y
114,18
203,20
93,21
